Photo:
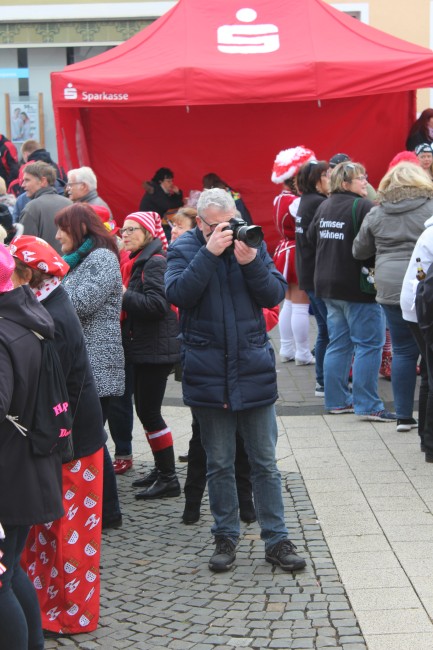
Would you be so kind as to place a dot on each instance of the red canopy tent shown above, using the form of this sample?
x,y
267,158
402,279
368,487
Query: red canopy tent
x,y
220,87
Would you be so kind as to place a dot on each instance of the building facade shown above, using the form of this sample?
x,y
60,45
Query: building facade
x,y
37,38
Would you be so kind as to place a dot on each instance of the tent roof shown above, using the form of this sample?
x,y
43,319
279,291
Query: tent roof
x,y
203,52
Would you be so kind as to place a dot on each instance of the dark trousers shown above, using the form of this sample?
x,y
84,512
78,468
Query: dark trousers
x,y
150,381
195,483
121,416
110,500
425,403
20,618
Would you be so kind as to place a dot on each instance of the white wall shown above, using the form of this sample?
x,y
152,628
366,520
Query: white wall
x,y
8,59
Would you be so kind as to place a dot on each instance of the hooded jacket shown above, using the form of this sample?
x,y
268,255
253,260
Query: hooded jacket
x,y
390,231
30,486
227,359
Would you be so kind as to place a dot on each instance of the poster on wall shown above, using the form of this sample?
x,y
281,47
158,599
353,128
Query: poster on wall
x,y
24,119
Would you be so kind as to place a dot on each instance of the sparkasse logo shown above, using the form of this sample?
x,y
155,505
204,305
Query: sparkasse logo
x,y
71,93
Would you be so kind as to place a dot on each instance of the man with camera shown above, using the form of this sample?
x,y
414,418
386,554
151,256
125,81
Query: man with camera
x,y
220,285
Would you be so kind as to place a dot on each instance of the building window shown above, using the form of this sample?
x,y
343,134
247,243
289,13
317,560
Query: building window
x,y
358,10
22,61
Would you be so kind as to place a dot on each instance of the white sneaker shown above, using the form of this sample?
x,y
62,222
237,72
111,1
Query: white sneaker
x,y
320,391
310,362
284,359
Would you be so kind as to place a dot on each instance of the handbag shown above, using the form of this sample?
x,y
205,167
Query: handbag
x,y
366,275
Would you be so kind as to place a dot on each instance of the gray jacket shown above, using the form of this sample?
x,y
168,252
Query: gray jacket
x,y
93,198
390,231
38,215
95,289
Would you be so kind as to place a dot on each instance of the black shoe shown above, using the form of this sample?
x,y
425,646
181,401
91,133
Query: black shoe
x,y
406,424
247,511
283,554
428,457
164,486
112,522
224,555
183,458
191,513
147,480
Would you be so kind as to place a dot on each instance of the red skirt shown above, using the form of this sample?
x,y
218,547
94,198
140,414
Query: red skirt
x,y
62,557
284,260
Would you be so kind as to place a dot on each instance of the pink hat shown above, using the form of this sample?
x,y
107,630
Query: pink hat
x,y
150,221
289,161
7,266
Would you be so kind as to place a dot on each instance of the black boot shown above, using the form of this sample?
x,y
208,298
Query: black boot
x,y
247,511
191,513
147,480
166,485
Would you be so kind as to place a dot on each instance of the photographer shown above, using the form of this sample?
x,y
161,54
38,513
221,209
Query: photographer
x,y
229,377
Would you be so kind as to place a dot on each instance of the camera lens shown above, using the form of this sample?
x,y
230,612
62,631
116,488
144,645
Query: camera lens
x,y
252,236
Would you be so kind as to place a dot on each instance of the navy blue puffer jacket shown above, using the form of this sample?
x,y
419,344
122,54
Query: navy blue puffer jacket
x,y
227,359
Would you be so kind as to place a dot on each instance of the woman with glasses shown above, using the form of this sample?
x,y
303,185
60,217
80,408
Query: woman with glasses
x,y
390,232
94,285
149,332
356,324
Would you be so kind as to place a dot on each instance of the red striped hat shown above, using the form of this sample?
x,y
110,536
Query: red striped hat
x,y
150,221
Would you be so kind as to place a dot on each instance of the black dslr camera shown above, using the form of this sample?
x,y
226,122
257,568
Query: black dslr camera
x,y
252,236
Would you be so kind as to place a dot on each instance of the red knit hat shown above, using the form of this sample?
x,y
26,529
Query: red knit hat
x,y
7,266
150,221
38,254
289,161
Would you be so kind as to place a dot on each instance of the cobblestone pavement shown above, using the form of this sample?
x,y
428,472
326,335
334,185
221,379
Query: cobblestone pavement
x,y
157,591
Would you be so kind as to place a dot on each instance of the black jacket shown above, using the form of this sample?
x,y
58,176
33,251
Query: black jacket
x,y
156,200
337,272
305,253
150,328
30,486
87,429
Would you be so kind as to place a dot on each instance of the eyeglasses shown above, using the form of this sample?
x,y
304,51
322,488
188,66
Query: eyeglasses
x,y
129,230
212,226
75,183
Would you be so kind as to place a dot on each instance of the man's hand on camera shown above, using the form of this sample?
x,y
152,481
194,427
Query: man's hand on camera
x,y
220,239
243,253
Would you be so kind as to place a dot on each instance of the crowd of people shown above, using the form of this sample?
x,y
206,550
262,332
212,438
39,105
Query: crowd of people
x,y
188,286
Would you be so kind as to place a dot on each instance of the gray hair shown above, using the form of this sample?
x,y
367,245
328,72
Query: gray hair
x,y
219,198
85,175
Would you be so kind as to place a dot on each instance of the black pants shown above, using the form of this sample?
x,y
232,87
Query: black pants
x,y
196,473
150,381
20,617
425,403
110,499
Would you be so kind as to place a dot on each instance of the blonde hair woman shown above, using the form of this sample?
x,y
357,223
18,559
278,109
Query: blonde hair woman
x,y
390,232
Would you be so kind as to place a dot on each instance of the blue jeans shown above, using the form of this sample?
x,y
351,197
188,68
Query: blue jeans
x,y
357,329
20,617
121,417
319,310
405,355
258,428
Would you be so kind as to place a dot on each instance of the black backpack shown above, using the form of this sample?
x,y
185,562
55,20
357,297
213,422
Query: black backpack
x,y
424,304
51,427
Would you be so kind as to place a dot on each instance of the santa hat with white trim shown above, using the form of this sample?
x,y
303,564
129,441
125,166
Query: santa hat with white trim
x,y
289,161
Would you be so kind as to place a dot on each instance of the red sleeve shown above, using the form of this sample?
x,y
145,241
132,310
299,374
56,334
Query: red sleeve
x,y
271,317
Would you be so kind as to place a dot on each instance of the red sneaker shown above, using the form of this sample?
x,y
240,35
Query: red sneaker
x,y
122,465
